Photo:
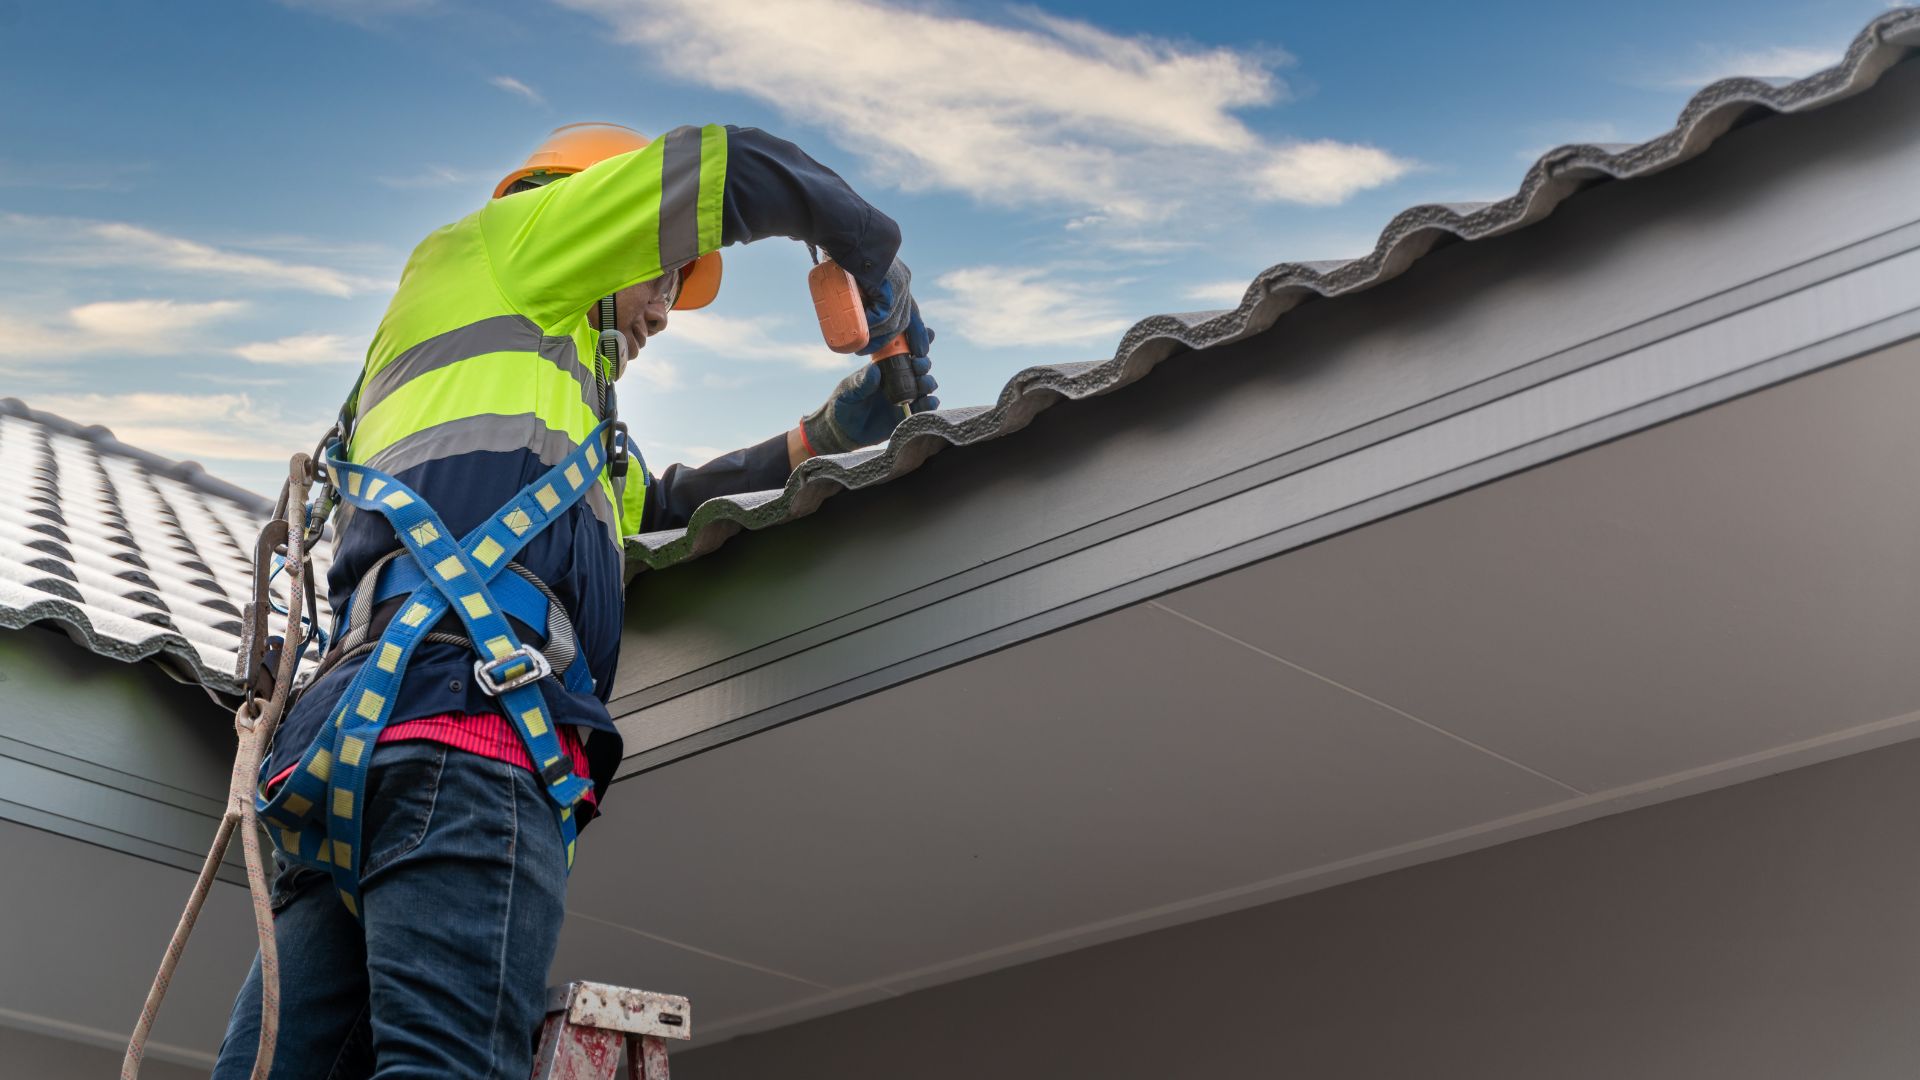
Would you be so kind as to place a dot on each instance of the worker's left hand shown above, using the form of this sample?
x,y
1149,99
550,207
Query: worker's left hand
x,y
858,414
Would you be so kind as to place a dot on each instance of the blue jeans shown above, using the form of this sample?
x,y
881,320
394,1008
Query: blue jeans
x,y
464,887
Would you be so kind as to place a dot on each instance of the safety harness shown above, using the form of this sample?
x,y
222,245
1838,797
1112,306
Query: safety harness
x,y
314,817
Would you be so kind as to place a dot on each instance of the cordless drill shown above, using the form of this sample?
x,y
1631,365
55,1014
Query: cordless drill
x,y
843,322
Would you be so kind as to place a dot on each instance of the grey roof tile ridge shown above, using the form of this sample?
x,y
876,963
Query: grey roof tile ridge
x,y
1558,174
170,649
190,473
161,640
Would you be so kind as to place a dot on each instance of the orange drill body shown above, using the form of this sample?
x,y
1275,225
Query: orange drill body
x,y
843,323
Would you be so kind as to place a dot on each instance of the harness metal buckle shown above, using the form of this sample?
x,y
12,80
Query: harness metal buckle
x,y
617,450
537,669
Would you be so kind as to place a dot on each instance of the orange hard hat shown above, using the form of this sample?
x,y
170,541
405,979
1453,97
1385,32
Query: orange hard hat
x,y
573,147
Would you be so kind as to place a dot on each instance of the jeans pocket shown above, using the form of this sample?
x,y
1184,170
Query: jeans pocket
x,y
402,788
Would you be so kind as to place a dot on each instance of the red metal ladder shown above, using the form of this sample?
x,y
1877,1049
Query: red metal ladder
x,y
588,1024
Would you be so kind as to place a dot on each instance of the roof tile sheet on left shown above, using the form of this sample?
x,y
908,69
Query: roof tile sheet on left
x,y
134,556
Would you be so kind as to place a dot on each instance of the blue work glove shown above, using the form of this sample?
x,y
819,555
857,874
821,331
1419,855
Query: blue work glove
x,y
857,414
891,311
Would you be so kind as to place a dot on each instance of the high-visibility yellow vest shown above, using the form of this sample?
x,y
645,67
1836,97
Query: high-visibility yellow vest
x,y
489,343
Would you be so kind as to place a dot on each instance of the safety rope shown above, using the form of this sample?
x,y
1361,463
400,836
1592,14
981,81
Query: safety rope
x,y
254,723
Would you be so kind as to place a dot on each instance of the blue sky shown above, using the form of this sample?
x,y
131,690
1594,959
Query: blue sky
x,y
203,206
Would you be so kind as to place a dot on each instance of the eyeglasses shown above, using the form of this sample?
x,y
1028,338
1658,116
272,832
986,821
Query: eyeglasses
x,y
669,288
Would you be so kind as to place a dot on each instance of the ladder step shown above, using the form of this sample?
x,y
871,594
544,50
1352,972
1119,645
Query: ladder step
x,y
588,1024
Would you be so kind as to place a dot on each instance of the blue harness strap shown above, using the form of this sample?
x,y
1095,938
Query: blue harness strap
x,y
517,597
314,819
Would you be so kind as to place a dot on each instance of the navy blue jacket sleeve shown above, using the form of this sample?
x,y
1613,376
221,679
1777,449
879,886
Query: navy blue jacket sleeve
x,y
673,496
775,189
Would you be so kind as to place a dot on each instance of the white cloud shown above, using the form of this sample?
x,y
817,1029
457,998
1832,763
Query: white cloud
x,y
1325,172
514,86
654,371
303,349
135,327
160,251
1226,293
660,454
1778,62
141,318
228,427
752,338
997,306
122,246
1053,112
31,339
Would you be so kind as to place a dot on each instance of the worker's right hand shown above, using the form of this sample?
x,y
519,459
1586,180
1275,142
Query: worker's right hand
x,y
891,311
919,337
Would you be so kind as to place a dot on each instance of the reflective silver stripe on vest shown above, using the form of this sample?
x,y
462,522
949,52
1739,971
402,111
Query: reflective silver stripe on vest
x,y
501,333
680,197
501,434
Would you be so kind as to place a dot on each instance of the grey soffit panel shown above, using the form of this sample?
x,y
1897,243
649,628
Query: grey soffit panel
x,y
135,556
1555,177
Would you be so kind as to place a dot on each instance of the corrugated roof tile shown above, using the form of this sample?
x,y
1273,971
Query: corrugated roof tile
x,y
134,556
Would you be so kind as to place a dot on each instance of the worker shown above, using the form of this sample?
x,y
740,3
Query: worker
x,y
423,792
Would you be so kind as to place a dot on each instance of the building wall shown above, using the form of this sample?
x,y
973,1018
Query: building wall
x,y
33,1056
111,753
1760,931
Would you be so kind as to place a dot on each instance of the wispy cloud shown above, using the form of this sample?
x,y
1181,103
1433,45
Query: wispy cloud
x,y
655,371
120,246
160,251
29,339
220,426
1226,293
1776,62
514,86
659,454
1044,112
1001,306
753,338
303,349
1325,172
135,327
136,319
